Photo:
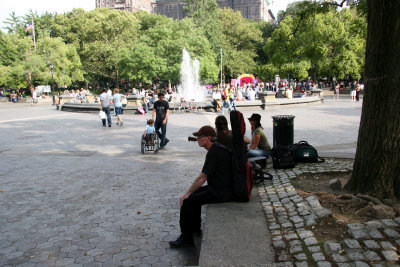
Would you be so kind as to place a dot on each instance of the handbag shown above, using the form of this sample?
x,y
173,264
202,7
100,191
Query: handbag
x,y
305,153
102,114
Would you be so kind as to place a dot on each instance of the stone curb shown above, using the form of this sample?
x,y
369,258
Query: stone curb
x,y
289,217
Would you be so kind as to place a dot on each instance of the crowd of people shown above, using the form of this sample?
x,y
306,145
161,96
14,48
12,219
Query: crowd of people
x,y
78,96
15,96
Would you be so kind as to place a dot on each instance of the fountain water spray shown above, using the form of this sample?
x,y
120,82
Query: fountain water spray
x,y
190,86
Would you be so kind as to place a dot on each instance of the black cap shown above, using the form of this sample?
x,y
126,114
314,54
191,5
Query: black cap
x,y
255,117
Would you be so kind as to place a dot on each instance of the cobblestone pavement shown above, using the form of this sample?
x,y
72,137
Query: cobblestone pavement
x,y
73,193
375,243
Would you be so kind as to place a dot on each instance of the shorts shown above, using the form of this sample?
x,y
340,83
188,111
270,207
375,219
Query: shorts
x,y
353,92
118,110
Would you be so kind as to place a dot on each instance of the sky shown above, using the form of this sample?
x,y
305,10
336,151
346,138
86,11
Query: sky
x,y
21,7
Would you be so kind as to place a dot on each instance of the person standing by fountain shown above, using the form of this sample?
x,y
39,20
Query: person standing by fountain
x,y
160,116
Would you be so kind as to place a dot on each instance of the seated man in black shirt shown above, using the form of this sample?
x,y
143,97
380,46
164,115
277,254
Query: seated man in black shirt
x,y
217,172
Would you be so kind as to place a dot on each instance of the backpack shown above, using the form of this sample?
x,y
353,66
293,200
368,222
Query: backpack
x,y
305,153
242,172
282,158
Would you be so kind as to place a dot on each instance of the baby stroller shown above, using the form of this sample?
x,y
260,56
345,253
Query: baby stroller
x,y
151,144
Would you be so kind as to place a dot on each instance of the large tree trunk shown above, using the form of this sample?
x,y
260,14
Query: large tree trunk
x,y
377,164
28,79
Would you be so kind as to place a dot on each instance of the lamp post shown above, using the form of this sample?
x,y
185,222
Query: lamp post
x,y
221,68
52,81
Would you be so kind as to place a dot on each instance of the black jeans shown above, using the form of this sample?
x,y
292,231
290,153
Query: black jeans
x,y
190,216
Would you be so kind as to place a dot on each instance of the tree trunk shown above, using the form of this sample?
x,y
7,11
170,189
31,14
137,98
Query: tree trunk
x,y
29,81
377,164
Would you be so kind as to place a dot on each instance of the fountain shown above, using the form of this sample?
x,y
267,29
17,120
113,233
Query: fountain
x,y
190,86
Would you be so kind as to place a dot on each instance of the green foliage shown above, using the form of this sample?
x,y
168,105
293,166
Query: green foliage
x,y
158,53
106,46
67,65
14,24
326,45
240,38
23,66
266,29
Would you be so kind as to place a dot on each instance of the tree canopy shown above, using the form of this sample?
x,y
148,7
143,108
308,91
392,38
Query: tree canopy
x,y
325,45
109,47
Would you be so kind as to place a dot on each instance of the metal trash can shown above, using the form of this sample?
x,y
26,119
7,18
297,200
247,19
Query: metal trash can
x,y
283,130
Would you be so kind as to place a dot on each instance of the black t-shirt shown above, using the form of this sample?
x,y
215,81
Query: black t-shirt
x,y
218,167
161,110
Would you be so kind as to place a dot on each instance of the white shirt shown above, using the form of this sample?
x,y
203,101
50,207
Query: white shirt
x,y
251,95
106,99
216,95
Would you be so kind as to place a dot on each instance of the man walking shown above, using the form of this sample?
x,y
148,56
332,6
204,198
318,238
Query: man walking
x,y
217,172
160,117
225,98
105,106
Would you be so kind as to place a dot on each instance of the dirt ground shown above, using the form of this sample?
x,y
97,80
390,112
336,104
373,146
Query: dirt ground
x,y
346,208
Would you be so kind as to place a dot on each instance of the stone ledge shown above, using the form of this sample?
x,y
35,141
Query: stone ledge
x,y
236,234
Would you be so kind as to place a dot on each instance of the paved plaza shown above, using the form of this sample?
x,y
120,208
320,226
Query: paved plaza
x,y
73,193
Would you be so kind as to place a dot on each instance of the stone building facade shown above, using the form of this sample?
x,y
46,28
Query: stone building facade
x,y
128,5
250,9
171,8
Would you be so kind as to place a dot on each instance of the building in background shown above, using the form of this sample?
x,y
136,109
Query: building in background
x,y
128,5
250,9
171,8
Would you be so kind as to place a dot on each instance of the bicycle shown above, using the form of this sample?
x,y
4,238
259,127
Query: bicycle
x,y
188,105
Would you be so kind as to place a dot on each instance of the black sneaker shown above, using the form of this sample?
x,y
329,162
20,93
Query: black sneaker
x,y
166,142
181,243
109,125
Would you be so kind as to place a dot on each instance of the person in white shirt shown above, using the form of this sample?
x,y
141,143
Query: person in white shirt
x,y
34,97
118,106
289,92
216,96
251,95
105,106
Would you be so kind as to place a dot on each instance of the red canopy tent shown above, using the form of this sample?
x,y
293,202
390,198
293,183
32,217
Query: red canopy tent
x,y
246,78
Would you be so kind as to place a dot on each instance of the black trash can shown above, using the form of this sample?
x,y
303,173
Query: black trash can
x,y
283,130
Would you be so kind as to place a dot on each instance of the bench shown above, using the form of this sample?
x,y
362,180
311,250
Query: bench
x,y
236,234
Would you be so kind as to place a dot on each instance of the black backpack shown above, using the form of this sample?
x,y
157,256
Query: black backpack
x,y
305,153
282,158
242,172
